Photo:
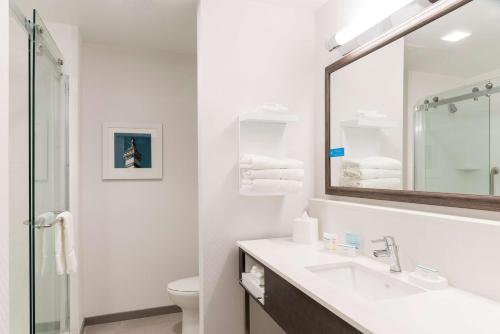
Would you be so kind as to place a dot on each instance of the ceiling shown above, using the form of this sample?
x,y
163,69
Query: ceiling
x,y
470,57
168,25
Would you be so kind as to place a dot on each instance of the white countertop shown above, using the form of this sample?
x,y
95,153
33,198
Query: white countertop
x,y
443,311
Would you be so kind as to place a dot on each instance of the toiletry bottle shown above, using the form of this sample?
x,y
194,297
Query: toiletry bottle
x,y
330,241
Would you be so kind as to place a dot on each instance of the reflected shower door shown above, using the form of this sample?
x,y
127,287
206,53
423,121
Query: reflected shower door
x,y
48,182
452,147
495,142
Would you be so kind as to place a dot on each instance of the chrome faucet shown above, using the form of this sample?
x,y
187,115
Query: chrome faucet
x,y
391,251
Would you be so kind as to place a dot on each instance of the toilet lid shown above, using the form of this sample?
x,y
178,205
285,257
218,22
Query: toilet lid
x,y
190,284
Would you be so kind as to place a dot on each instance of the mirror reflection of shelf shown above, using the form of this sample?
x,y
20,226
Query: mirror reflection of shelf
x,y
468,168
368,123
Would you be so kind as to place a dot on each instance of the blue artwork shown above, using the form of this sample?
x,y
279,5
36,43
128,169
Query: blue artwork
x,y
132,150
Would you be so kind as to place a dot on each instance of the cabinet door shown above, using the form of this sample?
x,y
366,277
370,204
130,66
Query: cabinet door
x,y
297,313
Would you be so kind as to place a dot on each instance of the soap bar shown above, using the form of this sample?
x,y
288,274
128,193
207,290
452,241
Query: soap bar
x,y
431,283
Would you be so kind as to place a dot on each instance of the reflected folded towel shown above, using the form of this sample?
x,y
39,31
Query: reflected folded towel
x,y
368,174
45,219
66,262
391,183
271,186
274,174
370,114
255,161
372,163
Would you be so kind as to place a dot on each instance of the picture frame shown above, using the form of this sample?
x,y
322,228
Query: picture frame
x,y
132,151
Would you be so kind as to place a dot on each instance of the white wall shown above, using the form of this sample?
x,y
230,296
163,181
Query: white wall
x,y
249,52
4,172
136,236
68,40
19,177
464,250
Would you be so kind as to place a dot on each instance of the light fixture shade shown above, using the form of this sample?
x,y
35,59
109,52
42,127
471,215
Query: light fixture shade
x,y
374,13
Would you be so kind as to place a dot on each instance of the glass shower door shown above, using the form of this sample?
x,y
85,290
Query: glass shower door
x,y
452,151
48,181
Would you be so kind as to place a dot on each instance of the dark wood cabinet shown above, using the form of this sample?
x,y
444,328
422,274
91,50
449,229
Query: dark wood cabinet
x,y
294,311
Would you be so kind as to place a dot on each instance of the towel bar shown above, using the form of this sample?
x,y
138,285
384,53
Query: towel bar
x,y
43,225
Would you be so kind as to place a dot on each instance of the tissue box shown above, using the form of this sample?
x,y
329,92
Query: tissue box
x,y
305,230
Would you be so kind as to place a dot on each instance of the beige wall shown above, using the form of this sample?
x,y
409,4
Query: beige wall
x,y
137,235
249,53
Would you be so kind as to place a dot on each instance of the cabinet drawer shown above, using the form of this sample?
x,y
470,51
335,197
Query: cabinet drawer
x,y
297,313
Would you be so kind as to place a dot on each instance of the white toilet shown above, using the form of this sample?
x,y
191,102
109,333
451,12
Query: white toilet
x,y
185,293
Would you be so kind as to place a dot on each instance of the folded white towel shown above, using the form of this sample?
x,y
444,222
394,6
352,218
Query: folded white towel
x,y
255,161
270,186
372,163
66,262
274,174
273,107
368,174
391,183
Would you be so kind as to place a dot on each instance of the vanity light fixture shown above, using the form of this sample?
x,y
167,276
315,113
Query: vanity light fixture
x,y
374,14
455,36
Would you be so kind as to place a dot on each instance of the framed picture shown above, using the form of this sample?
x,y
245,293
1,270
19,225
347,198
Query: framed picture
x,y
132,151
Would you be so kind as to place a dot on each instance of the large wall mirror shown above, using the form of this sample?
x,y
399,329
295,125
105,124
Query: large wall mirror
x,y
414,115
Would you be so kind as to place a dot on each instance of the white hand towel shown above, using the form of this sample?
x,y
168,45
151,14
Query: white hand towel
x,y
271,186
44,219
372,163
274,174
391,183
368,174
255,161
66,262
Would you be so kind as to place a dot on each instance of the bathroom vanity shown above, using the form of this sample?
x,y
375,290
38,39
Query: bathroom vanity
x,y
311,290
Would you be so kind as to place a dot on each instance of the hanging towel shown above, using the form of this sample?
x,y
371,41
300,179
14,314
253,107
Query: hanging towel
x,y
391,183
372,163
368,174
274,174
255,161
43,219
66,262
271,186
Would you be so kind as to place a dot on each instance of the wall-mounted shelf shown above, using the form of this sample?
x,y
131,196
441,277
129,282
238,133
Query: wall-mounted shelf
x,y
263,133
268,117
368,124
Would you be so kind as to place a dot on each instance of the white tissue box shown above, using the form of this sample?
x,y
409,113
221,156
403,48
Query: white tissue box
x,y
305,230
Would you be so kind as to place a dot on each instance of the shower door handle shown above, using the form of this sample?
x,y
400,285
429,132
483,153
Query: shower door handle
x,y
493,172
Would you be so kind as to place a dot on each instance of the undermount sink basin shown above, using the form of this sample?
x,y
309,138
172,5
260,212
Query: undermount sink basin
x,y
363,281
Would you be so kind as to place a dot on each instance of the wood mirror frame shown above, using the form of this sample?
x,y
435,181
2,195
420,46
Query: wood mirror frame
x,y
480,202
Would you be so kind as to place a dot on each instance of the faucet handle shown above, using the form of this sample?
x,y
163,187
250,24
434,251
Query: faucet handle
x,y
379,240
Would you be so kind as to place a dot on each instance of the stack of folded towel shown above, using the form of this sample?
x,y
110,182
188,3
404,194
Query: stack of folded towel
x,y
257,275
373,172
263,174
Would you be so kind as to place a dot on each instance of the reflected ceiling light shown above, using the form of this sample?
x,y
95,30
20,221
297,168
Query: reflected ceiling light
x,y
374,13
455,36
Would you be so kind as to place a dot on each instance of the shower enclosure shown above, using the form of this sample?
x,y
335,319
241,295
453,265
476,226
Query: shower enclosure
x,y
457,147
47,308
